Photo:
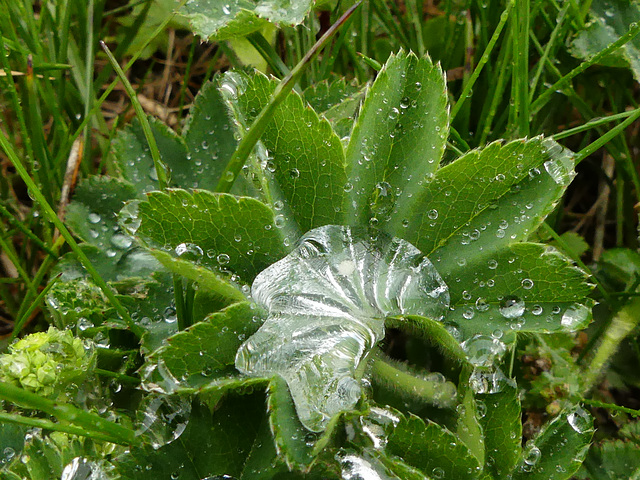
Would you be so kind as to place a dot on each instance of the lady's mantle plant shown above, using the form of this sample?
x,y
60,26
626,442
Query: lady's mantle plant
x,y
290,281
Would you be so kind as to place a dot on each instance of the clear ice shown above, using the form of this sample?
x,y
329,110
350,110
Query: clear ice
x,y
327,301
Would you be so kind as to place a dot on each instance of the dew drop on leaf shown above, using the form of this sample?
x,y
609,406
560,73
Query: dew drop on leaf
x,y
327,301
512,307
579,420
527,283
121,241
574,316
482,350
223,259
94,218
489,380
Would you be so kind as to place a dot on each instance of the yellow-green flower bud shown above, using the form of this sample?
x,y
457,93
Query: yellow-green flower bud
x,y
47,363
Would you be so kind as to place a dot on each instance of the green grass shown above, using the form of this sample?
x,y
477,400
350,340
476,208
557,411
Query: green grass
x,y
510,74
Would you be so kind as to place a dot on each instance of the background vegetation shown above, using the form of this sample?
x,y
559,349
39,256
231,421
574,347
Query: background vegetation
x,y
568,70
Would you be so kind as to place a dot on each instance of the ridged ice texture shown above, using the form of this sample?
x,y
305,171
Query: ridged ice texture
x,y
327,301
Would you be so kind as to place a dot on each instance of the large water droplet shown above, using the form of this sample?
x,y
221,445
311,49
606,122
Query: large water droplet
x,y
327,301
575,316
190,251
482,350
512,307
531,456
491,380
121,241
162,419
580,420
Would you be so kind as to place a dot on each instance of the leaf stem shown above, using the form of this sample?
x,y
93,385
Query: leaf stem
x,y
622,324
69,413
576,258
25,316
248,142
408,385
57,427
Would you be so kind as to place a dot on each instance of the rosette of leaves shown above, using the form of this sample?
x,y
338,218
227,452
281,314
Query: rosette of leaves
x,y
470,219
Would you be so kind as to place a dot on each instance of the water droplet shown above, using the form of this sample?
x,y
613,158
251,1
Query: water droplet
x,y
189,250
527,283
575,316
482,350
223,259
489,380
512,307
580,420
327,298
482,305
279,221
437,473
433,214
531,454
94,218
294,173
121,241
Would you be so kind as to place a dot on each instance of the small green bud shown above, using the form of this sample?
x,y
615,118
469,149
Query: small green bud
x,y
47,363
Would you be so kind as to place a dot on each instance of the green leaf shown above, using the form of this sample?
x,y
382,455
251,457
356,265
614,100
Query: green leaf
x,y
203,352
92,215
263,462
212,393
468,426
206,279
526,287
307,156
135,262
431,448
216,230
488,199
211,444
338,102
431,330
327,94
576,244
11,441
559,449
396,466
620,267
224,19
499,416
45,456
208,134
134,157
293,441
78,301
612,460
398,140
610,20
377,464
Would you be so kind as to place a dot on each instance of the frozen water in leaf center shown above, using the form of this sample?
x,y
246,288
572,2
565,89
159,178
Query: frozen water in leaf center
x,y
327,301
